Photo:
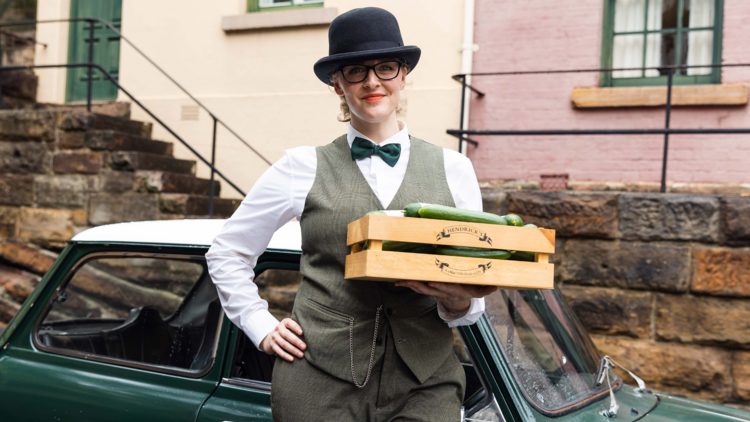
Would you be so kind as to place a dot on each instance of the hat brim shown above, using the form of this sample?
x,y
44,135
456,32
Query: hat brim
x,y
327,65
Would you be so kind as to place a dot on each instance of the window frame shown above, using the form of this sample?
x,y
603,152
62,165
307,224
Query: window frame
x,y
259,6
606,79
170,370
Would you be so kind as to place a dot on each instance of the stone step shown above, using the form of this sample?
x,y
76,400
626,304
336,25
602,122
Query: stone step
x,y
111,108
196,205
81,120
135,160
159,181
121,141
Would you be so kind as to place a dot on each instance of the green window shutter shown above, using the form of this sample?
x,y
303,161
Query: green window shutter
x,y
267,5
106,49
680,32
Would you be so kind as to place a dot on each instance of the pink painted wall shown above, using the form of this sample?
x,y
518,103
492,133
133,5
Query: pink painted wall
x,y
566,34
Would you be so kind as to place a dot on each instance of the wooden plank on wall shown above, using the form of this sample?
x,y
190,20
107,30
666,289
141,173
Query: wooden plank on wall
x,y
654,96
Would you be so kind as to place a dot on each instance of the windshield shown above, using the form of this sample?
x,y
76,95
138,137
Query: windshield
x,y
549,352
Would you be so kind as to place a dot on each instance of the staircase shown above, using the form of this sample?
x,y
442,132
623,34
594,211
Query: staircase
x,y
64,170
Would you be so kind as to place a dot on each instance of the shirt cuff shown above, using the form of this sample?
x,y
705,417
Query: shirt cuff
x,y
258,325
456,319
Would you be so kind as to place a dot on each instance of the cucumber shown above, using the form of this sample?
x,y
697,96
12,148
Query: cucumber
x,y
421,248
513,220
412,210
523,256
377,212
392,246
472,252
440,212
531,226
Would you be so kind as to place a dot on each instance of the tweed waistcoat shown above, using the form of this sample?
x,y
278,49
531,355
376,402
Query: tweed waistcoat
x,y
334,312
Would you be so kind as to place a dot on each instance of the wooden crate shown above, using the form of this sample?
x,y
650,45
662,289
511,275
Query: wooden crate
x,y
377,265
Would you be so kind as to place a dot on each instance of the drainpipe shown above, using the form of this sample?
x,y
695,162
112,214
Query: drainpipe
x,y
467,55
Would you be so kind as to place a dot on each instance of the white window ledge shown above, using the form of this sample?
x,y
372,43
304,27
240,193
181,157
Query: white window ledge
x,y
654,96
280,19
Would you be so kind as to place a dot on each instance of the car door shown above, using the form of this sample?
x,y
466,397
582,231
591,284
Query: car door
x,y
122,333
244,393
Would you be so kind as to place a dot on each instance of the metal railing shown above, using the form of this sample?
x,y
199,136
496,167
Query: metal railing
x,y
91,66
462,133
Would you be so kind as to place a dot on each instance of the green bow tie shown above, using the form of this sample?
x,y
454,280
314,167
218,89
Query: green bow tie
x,y
362,148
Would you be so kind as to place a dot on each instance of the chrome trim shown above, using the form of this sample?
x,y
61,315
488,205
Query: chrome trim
x,y
241,382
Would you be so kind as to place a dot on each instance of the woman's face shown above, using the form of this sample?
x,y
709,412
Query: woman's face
x,y
372,100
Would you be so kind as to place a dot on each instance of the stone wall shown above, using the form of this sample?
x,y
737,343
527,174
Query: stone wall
x,y
64,170
661,281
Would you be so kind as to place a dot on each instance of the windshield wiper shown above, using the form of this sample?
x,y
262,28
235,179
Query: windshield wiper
x,y
605,364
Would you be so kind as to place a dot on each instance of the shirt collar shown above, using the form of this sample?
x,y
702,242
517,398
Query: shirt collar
x,y
402,137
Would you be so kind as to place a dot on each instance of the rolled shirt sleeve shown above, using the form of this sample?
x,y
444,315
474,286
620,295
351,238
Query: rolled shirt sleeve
x,y
244,237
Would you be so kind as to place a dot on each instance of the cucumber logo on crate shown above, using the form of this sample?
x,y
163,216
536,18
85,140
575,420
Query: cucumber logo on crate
x,y
454,230
445,268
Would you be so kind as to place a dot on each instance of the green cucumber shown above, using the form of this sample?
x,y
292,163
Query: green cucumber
x,y
412,210
377,212
523,256
472,252
389,245
531,226
393,246
513,220
440,212
420,248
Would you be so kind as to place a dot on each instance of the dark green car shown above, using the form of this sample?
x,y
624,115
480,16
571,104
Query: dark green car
x,y
127,326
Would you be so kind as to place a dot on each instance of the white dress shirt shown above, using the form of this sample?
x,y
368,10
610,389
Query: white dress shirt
x,y
279,196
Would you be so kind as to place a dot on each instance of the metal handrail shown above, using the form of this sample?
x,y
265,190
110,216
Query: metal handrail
x,y
461,133
91,65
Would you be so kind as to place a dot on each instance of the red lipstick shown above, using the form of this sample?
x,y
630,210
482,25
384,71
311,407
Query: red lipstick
x,y
373,97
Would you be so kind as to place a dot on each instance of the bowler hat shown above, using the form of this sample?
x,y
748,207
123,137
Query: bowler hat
x,y
364,34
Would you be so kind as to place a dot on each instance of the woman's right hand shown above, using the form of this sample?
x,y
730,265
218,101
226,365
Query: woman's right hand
x,y
283,339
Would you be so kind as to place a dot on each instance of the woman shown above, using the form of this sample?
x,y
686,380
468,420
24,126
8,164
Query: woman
x,y
354,350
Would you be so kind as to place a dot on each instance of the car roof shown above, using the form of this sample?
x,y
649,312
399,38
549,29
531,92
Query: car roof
x,y
181,232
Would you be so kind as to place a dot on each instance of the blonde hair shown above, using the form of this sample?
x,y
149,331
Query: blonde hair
x,y
346,116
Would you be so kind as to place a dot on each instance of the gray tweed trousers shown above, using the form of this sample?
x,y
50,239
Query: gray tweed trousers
x,y
301,392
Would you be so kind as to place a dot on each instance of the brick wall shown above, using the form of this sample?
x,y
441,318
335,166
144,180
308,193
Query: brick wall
x,y
660,281
566,34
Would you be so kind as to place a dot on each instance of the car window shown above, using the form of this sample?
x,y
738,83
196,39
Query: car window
x,y
157,311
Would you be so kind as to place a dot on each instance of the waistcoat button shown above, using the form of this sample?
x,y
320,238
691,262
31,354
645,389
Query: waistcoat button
x,y
389,311
379,341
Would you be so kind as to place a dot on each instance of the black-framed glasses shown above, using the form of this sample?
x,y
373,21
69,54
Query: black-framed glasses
x,y
354,73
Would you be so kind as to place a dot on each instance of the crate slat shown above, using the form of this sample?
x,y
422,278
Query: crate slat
x,y
455,233
393,266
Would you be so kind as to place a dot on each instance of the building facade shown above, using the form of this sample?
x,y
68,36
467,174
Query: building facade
x,y
591,34
250,63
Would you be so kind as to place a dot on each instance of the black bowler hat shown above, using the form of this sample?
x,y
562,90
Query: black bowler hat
x,y
364,34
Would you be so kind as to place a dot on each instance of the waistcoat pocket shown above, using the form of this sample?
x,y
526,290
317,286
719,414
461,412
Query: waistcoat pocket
x,y
333,338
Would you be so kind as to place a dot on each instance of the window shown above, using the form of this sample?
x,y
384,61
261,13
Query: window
x,y
268,5
653,33
160,312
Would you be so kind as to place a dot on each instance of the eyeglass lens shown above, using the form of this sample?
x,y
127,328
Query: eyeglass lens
x,y
383,70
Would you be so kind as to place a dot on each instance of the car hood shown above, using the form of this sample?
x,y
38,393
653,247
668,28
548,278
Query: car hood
x,y
676,409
